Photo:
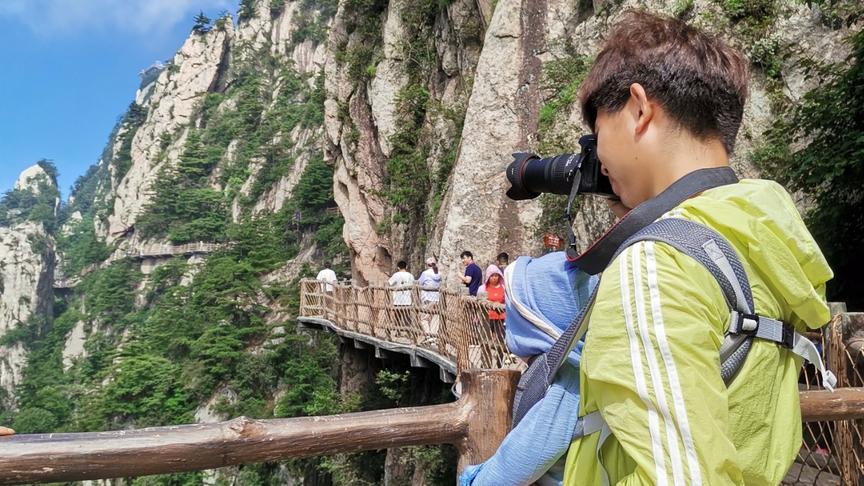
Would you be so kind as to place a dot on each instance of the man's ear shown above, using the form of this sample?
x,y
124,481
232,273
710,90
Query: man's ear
x,y
643,109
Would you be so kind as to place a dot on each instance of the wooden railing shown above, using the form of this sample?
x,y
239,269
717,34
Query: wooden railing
x,y
454,327
475,424
153,250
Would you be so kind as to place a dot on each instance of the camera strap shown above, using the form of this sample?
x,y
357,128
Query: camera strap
x,y
598,256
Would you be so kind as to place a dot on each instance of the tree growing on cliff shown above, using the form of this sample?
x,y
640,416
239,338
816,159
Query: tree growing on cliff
x,y
246,10
202,23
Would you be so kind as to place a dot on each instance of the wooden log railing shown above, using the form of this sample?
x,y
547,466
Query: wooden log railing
x,y
833,427
475,424
454,326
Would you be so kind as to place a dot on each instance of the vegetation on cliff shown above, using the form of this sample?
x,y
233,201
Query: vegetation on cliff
x,y
816,147
33,203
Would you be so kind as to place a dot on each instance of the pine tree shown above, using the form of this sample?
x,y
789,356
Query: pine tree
x,y
202,23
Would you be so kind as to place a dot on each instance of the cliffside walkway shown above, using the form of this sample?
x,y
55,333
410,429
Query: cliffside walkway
x,y
456,335
154,250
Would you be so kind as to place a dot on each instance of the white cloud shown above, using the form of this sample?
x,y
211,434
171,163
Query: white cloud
x,y
60,17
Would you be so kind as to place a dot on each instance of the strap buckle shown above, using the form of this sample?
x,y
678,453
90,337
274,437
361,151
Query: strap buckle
x,y
752,325
788,336
746,323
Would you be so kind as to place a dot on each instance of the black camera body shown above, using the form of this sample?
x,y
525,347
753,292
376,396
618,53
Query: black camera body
x,y
530,175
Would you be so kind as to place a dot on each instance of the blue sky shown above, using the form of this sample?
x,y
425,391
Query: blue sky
x,y
70,69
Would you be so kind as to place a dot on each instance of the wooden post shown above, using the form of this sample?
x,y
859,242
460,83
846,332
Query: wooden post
x,y
848,440
475,424
488,411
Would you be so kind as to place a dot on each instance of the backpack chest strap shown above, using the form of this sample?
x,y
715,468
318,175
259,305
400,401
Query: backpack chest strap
x,y
783,334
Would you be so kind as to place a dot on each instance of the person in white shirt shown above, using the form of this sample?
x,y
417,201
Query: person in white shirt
x,y
430,282
402,281
329,277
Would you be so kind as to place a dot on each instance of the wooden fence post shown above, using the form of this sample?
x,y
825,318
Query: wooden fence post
x,y
488,410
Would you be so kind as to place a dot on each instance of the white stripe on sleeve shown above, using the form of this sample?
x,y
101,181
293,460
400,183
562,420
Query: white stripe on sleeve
x,y
671,369
654,369
638,373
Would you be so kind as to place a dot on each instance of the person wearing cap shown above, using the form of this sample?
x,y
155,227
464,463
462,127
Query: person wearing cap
x,y
430,282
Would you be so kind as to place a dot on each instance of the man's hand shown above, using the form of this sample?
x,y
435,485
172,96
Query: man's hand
x,y
6,431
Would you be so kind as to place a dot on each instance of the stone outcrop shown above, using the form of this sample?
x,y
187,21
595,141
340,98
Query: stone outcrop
x,y
503,80
362,117
170,102
26,275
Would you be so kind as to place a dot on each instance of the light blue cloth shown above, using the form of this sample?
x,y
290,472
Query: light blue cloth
x,y
554,290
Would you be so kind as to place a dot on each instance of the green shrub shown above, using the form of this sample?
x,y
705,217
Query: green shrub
x,y
246,10
146,388
750,9
80,247
563,78
35,420
109,292
767,53
132,121
817,149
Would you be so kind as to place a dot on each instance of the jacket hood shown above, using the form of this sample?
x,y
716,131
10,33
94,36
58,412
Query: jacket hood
x,y
544,295
760,219
493,270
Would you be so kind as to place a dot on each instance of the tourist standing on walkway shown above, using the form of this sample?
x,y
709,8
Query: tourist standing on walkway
x,y
402,281
430,282
503,260
493,290
327,276
473,275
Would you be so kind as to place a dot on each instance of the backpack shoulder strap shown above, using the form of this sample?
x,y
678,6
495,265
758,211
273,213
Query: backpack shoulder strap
x,y
714,252
710,249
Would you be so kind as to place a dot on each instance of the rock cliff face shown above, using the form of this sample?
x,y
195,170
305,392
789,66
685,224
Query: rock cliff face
x,y
524,59
424,105
169,104
166,109
26,274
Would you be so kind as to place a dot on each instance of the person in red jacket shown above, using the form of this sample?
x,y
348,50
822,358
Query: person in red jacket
x,y
493,290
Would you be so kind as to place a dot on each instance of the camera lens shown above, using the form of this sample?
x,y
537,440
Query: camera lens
x,y
550,175
530,175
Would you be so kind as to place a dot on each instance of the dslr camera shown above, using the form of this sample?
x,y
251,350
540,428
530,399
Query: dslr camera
x,y
567,174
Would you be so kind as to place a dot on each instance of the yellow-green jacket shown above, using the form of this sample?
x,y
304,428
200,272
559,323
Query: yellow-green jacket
x,y
651,362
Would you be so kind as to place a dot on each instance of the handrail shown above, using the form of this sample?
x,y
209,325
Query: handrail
x,y
475,424
154,250
456,327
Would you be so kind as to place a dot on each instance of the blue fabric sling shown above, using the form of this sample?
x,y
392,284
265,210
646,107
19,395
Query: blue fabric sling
x,y
543,294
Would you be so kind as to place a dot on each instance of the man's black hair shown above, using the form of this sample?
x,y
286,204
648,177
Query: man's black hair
x,y
401,265
466,253
503,256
